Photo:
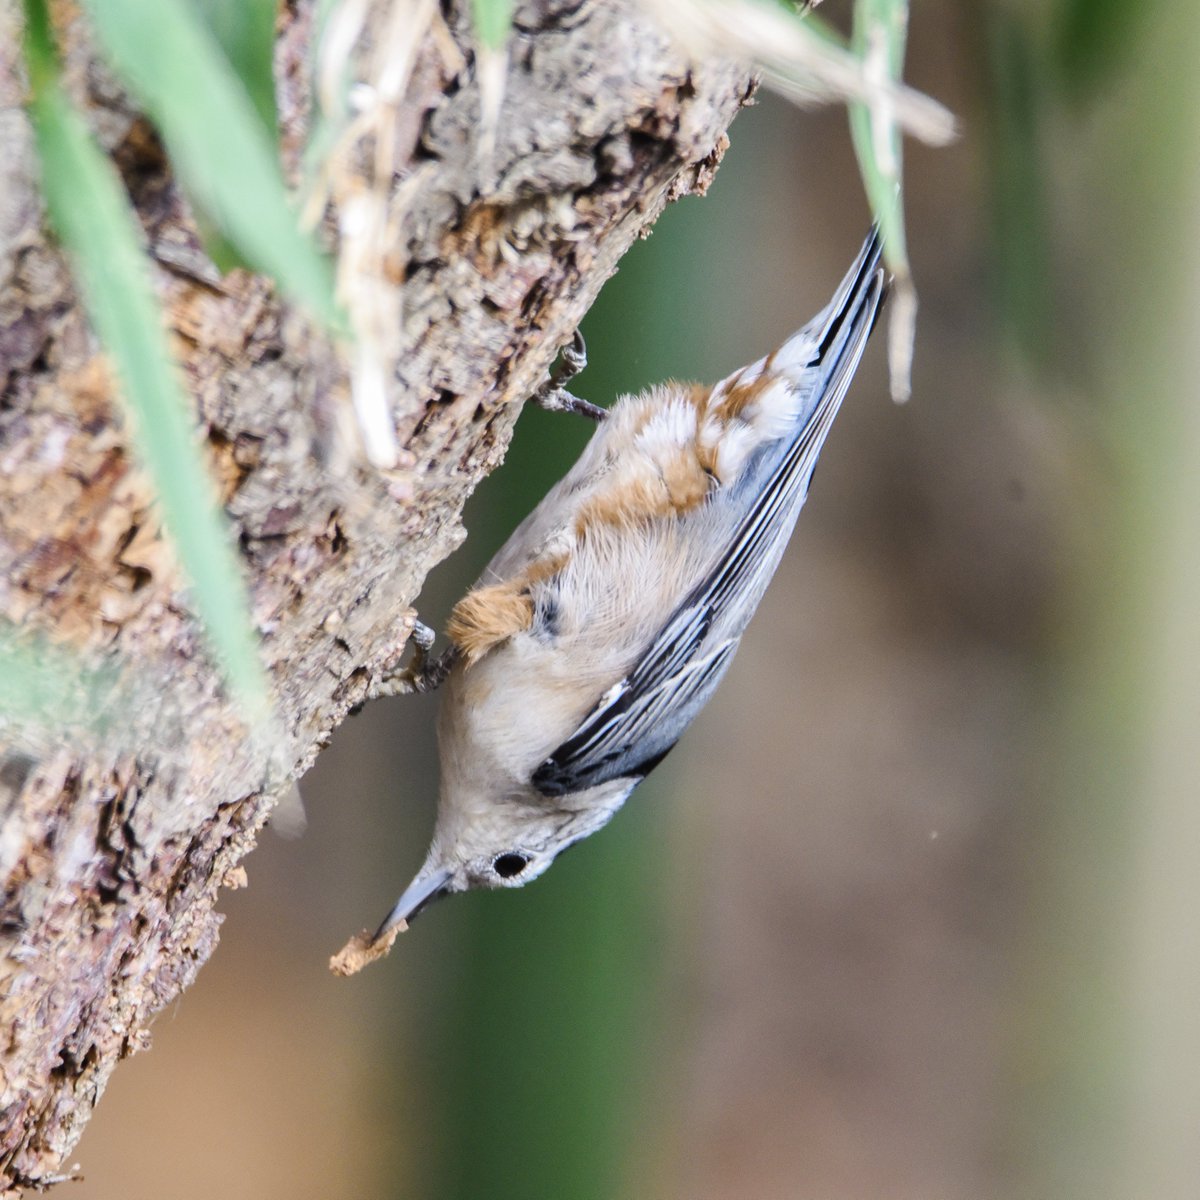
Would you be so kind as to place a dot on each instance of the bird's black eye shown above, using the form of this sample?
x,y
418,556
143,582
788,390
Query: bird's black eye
x,y
508,865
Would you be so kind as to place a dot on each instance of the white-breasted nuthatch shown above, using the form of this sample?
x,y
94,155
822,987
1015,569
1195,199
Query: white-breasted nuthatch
x,y
606,621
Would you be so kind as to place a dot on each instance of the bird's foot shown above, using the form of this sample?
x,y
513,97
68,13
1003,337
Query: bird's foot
x,y
553,395
422,674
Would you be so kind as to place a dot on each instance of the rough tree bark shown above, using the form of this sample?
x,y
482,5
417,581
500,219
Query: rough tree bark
x,y
112,852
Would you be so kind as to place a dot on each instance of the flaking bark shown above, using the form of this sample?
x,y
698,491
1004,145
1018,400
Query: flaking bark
x,y
113,848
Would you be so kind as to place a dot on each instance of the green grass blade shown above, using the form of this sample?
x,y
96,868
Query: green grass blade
x,y
878,36
879,150
493,22
102,239
245,30
218,145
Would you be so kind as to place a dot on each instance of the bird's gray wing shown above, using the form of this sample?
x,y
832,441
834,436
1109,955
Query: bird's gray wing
x,y
639,719
632,729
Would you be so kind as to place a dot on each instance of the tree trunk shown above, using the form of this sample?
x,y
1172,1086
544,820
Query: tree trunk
x,y
114,844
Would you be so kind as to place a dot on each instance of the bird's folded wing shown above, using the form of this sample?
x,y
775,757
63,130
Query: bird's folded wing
x,y
639,719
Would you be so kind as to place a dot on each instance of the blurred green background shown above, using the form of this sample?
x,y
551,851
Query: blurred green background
x,y
913,910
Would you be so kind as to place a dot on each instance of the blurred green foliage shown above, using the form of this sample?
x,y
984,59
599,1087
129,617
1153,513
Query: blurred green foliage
x,y
882,179
1016,115
543,1062
1096,40
45,689
219,146
103,240
492,20
1093,122
245,30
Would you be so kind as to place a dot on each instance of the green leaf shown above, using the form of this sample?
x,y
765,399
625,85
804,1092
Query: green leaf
x,y
217,143
102,239
879,151
878,36
493,21
245,30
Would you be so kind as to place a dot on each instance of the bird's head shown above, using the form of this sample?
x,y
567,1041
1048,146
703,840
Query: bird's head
x,y
505,843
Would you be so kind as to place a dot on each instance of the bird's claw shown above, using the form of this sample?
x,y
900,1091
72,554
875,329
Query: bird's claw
x,y
422,674
553,395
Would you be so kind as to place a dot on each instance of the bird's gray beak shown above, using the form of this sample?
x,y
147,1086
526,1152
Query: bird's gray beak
x,y
423,890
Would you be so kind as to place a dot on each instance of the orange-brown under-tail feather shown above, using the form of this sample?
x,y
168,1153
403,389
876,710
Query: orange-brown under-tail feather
x,y
487,616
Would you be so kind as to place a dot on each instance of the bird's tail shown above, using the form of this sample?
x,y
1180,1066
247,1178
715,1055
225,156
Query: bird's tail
x,y
821,359
823,341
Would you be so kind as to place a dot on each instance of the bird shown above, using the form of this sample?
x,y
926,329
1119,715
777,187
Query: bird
x,y
607,620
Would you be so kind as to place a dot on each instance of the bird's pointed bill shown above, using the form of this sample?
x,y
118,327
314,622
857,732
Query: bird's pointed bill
x,y
423,890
